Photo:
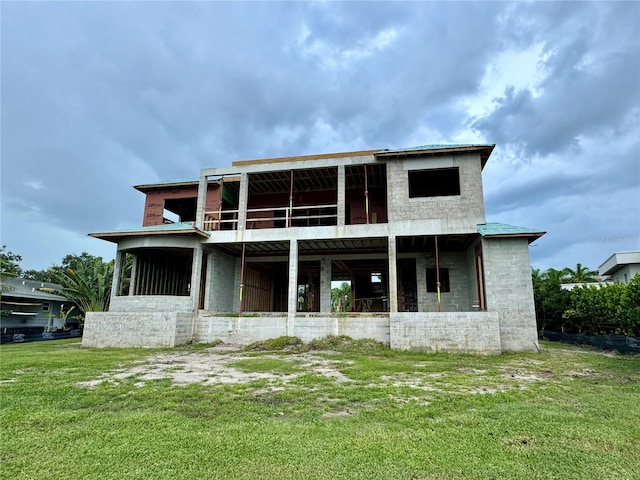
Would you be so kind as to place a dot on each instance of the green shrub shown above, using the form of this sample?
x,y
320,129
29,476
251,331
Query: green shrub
x,y
294,344
344,343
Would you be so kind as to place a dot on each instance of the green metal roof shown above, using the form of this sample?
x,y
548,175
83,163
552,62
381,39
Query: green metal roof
x,y
495,229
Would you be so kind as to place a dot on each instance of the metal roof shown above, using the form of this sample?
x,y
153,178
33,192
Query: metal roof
x,y
438,149
21,288
437,146
170,183
179,228
504,230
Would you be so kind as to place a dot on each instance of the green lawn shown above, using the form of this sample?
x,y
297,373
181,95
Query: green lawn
x,y
361,413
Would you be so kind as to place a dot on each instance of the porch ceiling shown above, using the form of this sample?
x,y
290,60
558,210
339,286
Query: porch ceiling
x,y
257,248
309,247
376,176
308,180
426,243
346,245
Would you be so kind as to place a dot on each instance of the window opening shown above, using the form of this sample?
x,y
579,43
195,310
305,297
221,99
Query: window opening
x,y
432,280
435,182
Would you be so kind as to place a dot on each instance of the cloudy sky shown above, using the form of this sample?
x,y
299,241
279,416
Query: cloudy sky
x,y
99,96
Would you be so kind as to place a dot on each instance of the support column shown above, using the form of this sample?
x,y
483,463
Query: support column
x,y
117,269
293,284
243,200
202,200
342,185
393,276
208,277
196,271
134,274
421,282
325,285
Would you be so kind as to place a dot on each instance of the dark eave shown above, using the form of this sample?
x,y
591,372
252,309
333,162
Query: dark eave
x,y
167,185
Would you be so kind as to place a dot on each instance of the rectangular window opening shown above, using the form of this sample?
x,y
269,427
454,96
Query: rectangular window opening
x,y
435,182
432,280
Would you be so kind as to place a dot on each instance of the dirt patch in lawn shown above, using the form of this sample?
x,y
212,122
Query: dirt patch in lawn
x,y
213,366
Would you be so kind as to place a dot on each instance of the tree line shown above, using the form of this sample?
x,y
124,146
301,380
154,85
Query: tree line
x,y
589,309
85,279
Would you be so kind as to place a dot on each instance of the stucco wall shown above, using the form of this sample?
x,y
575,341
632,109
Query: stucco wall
x,y
626,273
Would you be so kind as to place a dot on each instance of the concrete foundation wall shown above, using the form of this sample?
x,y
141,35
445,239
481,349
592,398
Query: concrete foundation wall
x,y
464,332
245,330
136,329
509,292
151,303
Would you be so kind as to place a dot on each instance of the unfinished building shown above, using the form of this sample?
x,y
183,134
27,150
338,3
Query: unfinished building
x,y
251,251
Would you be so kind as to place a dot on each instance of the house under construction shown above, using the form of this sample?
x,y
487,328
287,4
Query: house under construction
x,y
251,251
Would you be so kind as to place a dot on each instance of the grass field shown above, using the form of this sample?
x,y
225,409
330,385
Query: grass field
x,y
363,412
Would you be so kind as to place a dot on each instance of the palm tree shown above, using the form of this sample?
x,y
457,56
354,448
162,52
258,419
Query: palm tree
x,y
341,298
581,274
556,276
89,287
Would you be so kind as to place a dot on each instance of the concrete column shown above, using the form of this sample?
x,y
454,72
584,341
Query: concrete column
x,y
421,282
341,195
325,285
393,276
208,277
236,283
134,274
293,284
196,268
243,200
202,200
117,268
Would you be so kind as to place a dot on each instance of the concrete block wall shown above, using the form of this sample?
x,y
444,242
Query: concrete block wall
x,y
151,303
509,292
221,282
136,329
238,330
462,211
470,257
245,330
463,332
455,300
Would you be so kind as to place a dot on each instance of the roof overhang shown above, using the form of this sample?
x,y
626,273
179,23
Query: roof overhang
x,y
503,230
163,186
483,150
617,261
116,237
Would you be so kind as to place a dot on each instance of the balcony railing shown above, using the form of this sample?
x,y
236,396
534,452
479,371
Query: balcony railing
x,y
274,217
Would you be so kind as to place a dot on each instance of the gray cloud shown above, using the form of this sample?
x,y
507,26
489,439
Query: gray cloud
x,y
99,96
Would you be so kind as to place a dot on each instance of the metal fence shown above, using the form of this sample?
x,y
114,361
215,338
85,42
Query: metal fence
x,y
621,343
